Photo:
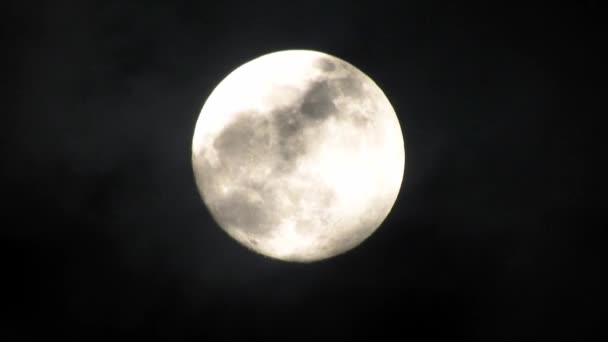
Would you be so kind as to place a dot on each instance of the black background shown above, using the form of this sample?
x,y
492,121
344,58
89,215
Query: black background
x,y
496,235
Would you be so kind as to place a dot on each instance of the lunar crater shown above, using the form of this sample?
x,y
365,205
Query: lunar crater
x,y
326,64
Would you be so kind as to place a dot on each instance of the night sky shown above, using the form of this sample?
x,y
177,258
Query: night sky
x,y
495,236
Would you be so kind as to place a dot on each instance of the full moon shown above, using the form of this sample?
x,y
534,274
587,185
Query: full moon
x,y
298,155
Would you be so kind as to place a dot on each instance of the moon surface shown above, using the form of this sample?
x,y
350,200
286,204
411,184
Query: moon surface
x,y
298,155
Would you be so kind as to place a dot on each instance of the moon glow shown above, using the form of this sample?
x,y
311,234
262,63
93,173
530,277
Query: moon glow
x,y
298,155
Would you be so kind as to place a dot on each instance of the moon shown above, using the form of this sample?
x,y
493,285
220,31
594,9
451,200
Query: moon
x,y
298,155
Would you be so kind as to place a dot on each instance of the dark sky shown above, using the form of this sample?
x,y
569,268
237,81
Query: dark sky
x,y
496,235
